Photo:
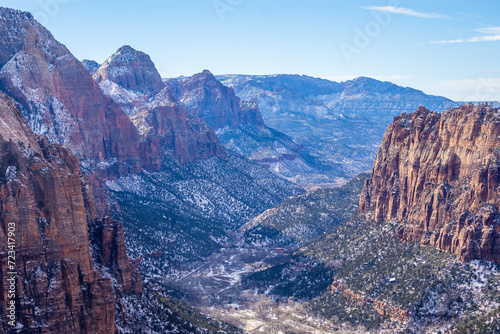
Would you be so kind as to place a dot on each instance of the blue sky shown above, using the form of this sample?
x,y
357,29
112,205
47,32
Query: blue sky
x,y
448,48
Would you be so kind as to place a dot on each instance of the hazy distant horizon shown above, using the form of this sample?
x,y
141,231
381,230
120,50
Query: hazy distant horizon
x,y
445,49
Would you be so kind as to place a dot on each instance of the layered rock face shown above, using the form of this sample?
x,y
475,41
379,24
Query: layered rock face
x,y
58,290
106,236
215,103
60,99
440,175
168,132
167,129
327,117
240,128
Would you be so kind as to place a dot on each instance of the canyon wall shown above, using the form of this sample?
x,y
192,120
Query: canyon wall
x,y
59,288
439,175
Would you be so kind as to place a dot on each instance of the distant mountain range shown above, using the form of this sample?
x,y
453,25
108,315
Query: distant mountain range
x,y
340,123
100,162
240,128
304,129
131,80
73,265
194,191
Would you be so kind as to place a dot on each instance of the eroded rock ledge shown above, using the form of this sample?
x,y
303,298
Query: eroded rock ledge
x,y
439,174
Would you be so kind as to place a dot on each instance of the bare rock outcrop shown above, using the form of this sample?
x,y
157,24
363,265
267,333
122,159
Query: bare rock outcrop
x,y
167,131
215,103
439,174
59,98
132,70
130,78
58,288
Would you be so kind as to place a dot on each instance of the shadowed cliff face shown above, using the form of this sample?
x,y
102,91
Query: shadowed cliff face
x,y
168,129
177,120
168,132
439,175
215,103
57,285
60,99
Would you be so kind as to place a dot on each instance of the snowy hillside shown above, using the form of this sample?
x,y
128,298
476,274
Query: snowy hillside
x,y
341,122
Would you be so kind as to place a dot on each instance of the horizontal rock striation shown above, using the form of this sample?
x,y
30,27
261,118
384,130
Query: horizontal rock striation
x,y
168,133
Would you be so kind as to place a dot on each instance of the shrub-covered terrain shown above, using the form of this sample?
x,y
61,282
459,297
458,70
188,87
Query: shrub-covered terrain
x,y
377,282
301,218
158,312
185,213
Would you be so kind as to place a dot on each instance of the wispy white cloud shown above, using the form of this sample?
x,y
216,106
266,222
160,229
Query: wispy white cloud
x,y
406,11
489,30
469,40
492,35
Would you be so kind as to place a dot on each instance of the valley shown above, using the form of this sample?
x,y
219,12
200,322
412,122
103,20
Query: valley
x,y
217,204
215,287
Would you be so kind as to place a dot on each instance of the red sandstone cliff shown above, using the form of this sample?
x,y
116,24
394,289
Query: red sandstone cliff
x,y
60,99
58,288
131,70
168,129
440,176
168,132
215,103
130,78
